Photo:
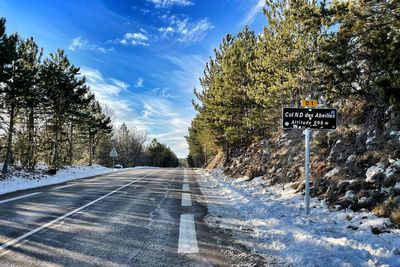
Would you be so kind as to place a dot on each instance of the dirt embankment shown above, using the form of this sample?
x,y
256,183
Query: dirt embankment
x,y
357,166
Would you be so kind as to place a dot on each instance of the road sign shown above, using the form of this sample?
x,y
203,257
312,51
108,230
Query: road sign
x,y
309,103
309,118
113,153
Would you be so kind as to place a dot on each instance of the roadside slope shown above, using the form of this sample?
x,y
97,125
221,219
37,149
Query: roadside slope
x,y
271,220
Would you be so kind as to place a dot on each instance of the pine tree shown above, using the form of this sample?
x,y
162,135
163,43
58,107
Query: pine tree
x,y
62,90
160,155
32,96
13,81
360,56
98,125
285,59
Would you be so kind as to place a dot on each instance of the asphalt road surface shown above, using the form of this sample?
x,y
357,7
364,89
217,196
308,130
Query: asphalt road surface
x,y
141,217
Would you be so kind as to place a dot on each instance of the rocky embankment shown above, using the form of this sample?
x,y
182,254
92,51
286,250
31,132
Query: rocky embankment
x,y
356,166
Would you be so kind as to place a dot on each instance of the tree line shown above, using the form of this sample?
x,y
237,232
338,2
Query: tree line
x,y
336,51
49,114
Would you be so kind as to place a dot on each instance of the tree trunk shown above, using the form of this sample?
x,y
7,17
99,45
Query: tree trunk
x,y
205,154
226,153
90,148
71,145
30,163
55,162
9,139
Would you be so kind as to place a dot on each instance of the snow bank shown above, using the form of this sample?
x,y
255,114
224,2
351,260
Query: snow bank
x,y
272,221
15,183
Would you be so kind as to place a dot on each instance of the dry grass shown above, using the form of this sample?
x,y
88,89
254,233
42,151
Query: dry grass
x,y
381,210
395,216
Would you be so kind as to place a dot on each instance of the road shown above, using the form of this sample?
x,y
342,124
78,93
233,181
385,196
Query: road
x,y
140,217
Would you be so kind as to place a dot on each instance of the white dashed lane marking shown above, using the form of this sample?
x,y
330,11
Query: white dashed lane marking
x,y
187,235
186,200
186,188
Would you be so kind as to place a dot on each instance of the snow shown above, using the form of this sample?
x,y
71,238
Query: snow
x,y
271,221
15,183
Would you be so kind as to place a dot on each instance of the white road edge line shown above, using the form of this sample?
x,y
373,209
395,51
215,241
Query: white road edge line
x,y
15,198
186,188
186,200
64,186
34,231
187,235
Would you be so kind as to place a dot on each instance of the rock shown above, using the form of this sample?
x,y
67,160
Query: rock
x,y
390,171
351,159
390,180
376,230
355,185
370,140
332,137
364,203
342,187
350,194
393,192
396,251
344,203
51,172
333,172
352,227
375,173
335,152
396,165
376,196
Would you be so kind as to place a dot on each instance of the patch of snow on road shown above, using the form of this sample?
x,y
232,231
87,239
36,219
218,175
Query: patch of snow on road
x,y
271,220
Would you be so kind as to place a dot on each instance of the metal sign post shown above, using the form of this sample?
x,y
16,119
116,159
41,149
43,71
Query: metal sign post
x,y
307,169
113,154
308,118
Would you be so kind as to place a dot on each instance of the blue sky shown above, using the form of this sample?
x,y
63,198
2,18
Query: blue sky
x,y
141,57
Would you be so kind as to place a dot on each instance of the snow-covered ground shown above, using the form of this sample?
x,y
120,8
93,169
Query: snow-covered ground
x,y
24,181
271,220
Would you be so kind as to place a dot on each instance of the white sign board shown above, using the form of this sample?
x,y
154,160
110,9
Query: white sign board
x,y
113,153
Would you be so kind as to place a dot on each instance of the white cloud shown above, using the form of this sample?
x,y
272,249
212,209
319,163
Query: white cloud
x,y
252,13
189,68
153,112
166,122
166,31
107,91
169,3
78,43
135,39
139,83
101,87
119,83
185,30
